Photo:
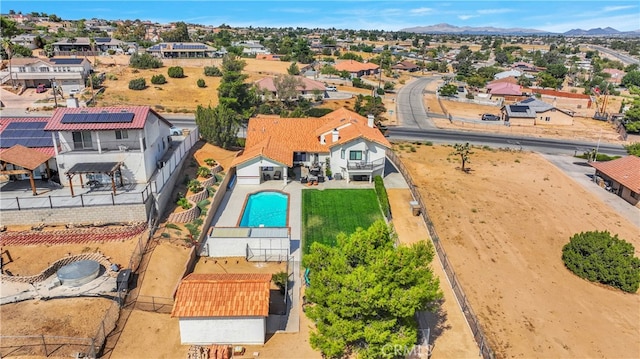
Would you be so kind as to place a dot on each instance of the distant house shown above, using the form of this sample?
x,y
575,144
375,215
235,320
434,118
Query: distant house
x,y
622,176
616,75
406,66
269,57
357,69
353,144
67,73
252,48
108,143
504,89
170,50
508,73
84,44
531,112
26,40
223,308
307,88
525,67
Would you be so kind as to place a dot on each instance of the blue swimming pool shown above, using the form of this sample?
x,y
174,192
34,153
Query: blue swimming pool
x,y
265,209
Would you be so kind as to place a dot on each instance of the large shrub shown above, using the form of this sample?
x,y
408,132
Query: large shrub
x,y
201,83
212,71
176,72
144,61
158,79
138,84
600,257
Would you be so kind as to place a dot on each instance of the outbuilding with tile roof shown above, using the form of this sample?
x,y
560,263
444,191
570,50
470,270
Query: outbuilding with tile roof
x,y
226,308
621,176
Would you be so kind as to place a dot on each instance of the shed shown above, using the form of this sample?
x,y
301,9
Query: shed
x,y
223,308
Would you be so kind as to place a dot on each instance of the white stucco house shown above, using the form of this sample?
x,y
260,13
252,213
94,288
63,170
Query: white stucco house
x,y
106,144
223,308
346,143
66,73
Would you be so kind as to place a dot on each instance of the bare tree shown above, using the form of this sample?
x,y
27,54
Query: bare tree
x,y
464,151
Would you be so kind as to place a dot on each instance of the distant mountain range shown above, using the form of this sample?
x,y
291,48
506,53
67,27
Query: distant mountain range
x,y
489,30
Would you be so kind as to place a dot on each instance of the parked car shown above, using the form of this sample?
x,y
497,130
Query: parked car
x,y
41,88
490,117
74,91
331,88
175,131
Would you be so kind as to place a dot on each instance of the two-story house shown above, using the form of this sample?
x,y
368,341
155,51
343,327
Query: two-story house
x,y
103,142
67,74
346,143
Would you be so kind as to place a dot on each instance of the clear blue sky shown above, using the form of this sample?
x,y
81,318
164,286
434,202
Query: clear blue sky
x,y
553,16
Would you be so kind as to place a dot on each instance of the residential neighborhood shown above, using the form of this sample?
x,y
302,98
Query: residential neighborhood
x,y
185,190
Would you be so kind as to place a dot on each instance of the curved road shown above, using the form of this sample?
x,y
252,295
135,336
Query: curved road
x,y
416,125
626,59
410,106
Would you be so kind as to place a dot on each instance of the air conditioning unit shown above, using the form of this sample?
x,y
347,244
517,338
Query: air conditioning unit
x,y
160,164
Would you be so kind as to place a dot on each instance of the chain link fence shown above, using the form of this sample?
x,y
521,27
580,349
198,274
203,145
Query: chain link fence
x,y
469,314
44,345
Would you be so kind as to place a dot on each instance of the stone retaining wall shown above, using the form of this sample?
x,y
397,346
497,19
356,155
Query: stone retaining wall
x,y
51,270
191,213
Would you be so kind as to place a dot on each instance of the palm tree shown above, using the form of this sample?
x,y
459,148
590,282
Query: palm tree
x,y
8,48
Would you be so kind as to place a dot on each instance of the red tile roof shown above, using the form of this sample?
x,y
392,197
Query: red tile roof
x,y
277,138
223,295
625,170
355,66
140,117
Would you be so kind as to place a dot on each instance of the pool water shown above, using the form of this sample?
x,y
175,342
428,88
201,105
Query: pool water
x,y
265,209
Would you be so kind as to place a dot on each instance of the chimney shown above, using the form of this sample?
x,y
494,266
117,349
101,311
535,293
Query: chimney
x,y
72,102
322,141
370,121
335,135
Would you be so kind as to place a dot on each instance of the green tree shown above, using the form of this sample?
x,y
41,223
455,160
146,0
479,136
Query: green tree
x,y
144,61
631,79
179,34
212,71
464,152
287,88
8,29
599,257
366,291
633,149
158,79
138,84
233,92
545,80
175,72
448,90
218,125
201,83
293,69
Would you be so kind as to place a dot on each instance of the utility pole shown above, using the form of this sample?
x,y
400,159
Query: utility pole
x,y
53,87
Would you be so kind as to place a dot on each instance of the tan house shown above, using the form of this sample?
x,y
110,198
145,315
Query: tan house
x,y
534,112
67,73
621,176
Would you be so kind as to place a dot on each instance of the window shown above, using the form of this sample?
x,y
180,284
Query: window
x,y
121,134
342,151
547,119
299,156
355,155
82,140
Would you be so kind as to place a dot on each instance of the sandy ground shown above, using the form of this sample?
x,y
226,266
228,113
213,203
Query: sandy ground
x,y
450,334
150,335
503,226
54,317
165,268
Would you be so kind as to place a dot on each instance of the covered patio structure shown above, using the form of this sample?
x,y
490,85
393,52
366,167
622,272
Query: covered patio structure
x,y
108,168
27,159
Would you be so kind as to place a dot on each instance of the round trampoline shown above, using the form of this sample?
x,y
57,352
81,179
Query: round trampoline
x,y
78,273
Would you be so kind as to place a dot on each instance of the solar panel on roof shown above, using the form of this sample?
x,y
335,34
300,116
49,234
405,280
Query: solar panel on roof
x,y
119,117
515,108
102,39
66,61
28,134
528,100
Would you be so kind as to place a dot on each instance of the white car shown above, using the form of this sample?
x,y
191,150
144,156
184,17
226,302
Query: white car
x,y
331,88
175,131
74,92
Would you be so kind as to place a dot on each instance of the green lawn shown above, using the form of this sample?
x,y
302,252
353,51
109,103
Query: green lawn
x,y
329,212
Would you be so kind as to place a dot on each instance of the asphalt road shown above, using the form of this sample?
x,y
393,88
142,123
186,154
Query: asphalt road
x,y
542,145
626,59
410,105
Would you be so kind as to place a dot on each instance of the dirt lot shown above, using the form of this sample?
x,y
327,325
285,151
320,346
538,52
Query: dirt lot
x,y
503,226
54,317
